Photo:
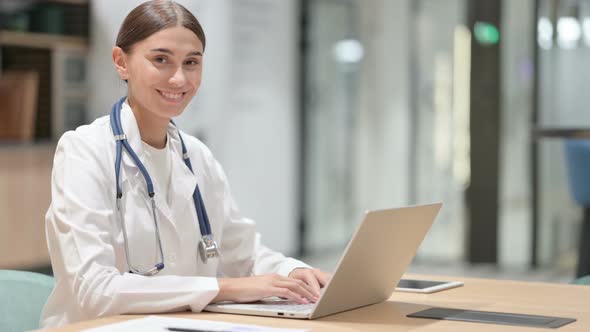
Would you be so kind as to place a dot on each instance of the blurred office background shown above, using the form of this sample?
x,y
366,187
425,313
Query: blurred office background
x,y
321,109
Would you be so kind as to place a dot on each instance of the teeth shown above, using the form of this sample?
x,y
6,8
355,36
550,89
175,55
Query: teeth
x,y
171,95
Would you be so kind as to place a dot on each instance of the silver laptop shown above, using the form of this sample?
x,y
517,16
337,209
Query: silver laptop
x,y
375,259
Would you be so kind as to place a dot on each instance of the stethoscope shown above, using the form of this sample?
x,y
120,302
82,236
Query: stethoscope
x,y
207,246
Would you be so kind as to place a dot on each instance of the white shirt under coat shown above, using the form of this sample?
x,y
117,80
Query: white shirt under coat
x,y
86,242
158,163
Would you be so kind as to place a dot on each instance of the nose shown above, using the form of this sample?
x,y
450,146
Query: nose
x,y
178,78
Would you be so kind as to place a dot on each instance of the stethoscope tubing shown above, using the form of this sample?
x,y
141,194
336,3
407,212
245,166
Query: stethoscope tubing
x,y
207,242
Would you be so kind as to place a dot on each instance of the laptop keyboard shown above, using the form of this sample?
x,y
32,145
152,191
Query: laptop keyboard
x,y
283,307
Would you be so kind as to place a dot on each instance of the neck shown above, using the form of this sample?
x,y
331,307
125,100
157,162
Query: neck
x,y
153,129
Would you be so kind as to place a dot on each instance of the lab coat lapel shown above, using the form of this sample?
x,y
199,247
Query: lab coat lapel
x,y
131,176
131,130
183,181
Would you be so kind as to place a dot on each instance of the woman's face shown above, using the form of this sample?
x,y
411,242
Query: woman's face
x,y
163,71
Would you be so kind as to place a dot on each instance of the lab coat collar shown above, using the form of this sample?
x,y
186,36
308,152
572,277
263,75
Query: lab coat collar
x,y
182,180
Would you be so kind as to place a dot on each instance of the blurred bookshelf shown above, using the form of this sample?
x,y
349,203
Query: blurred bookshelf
x,y
43,93
41,40
49,38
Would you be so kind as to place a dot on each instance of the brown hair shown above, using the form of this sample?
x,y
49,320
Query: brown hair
x,y
153,16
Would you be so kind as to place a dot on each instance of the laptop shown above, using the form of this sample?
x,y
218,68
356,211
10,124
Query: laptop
x,y
373,262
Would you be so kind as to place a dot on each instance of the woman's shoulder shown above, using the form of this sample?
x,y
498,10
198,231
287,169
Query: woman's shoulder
x,y
90,139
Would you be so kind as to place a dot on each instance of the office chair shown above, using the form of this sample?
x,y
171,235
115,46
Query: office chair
x,y
582,281
577,153
22,297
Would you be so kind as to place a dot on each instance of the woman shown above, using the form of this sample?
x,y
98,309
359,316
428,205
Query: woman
x,y
120,245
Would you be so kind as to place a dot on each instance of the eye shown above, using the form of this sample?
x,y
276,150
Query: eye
x,y
191,62
161,59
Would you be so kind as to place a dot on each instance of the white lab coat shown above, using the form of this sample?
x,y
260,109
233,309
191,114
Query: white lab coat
x,y
86,242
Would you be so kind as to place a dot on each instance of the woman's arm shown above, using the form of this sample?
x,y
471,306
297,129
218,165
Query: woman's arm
x,y
80,225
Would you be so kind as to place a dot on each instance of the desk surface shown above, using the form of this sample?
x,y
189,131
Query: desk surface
x,y
478,294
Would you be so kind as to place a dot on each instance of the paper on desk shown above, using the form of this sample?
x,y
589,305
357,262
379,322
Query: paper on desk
x,y
159,324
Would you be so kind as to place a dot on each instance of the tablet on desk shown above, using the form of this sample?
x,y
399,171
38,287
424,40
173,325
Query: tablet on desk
x,y
425,286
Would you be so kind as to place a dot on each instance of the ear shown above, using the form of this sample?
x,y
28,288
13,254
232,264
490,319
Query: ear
x,y
120,61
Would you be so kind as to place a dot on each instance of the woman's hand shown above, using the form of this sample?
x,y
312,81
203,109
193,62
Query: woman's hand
x,y
255,288
312,277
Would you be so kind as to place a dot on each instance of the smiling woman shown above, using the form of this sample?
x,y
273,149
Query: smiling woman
x,y
163,73
156,46
110,230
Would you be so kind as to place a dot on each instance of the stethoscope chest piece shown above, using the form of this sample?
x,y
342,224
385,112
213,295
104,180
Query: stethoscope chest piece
x,y
208,248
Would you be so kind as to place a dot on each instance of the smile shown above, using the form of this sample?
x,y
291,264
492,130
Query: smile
x,y
172,96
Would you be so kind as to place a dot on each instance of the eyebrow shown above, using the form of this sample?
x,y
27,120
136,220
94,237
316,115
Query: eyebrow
x,y
165,50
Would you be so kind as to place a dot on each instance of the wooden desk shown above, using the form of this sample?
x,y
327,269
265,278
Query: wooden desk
x,y
25,195
478,294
